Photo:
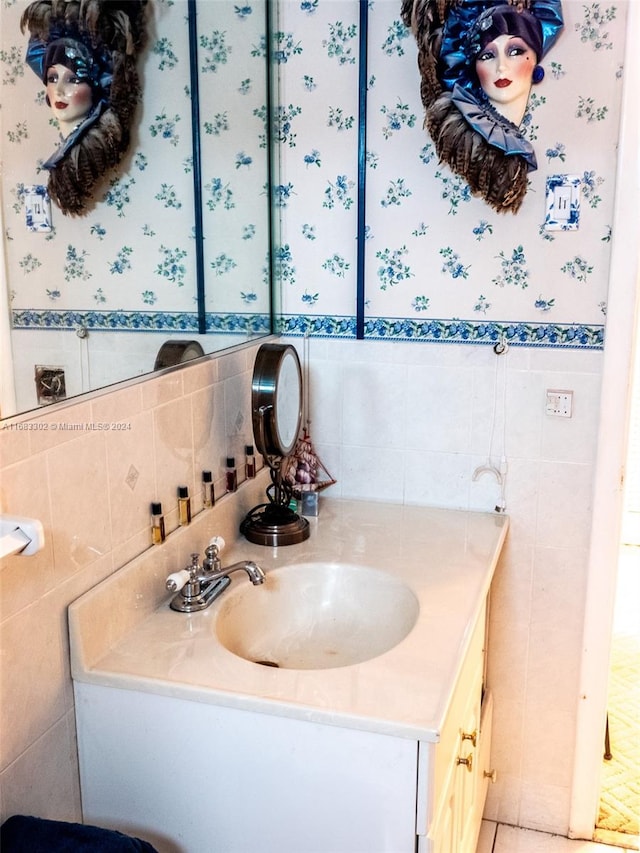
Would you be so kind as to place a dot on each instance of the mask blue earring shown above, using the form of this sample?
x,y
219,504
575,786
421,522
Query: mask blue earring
x,y
538,74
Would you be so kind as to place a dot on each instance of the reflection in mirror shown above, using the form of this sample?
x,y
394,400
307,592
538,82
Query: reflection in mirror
x,y
85,56
93,299
276,405
233,188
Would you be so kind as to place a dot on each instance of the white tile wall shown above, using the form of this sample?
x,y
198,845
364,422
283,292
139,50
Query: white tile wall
x,y
92,490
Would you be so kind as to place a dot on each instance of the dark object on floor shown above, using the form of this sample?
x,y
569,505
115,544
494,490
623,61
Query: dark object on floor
x,y
607,743
23,834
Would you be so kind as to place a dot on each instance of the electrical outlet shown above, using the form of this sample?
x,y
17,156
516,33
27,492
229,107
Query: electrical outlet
x,y
559,403
50,384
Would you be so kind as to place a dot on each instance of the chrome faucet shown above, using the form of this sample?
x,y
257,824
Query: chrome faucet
x,y
197,586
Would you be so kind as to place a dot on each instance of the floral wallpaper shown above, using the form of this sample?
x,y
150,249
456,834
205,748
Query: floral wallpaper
x,y
377,239
131,263
439,264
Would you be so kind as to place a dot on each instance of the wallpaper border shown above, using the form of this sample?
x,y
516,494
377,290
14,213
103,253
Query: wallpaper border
x,y
139,321
574,336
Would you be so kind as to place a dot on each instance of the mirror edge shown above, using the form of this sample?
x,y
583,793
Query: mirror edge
x,y
88,396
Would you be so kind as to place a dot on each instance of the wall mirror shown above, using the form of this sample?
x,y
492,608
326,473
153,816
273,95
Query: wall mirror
x,y
178,244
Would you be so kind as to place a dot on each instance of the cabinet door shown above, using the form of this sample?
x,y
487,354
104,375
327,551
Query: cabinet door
x,y
467,778
472,792
484,774
458,806
252,782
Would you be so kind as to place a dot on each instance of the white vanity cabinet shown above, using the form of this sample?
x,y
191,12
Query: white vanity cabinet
x,y
193,777
200,750
196,778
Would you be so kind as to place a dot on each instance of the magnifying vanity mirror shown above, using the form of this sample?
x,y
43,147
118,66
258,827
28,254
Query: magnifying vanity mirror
x,y
276,406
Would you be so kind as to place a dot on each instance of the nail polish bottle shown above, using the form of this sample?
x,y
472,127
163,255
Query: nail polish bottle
x,y
250,462
157,524
231,475
208,494
184,505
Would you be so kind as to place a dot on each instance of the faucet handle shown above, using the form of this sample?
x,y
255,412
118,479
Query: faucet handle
x,y
212,554
217,542
177,580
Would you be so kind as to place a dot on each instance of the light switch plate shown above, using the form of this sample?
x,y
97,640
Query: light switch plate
x,y
563,203
559,403
37,208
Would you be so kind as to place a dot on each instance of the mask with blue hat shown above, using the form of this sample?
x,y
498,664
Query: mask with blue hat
x,y
469,134
99,43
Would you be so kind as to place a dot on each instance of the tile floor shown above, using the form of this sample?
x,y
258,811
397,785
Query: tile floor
x,y
499,838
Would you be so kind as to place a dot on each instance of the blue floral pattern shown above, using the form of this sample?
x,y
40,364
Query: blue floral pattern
x,y
136,250
432,252
430,248
137,321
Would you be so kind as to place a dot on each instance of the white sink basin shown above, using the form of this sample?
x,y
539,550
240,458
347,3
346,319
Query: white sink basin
x,y
316,616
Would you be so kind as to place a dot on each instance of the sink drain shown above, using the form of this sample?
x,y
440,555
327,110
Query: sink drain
x,y
268,663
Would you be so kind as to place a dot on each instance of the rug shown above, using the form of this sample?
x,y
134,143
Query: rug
x,y
620,797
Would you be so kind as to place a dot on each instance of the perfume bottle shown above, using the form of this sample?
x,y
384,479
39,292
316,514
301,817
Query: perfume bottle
x,y
157,524
184,505
250,462
231,475
208,493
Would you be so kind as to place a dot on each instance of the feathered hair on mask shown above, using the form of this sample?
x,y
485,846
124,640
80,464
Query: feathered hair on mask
x,y
100,40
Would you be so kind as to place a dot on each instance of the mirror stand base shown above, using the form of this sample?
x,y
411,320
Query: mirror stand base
x,y
273,525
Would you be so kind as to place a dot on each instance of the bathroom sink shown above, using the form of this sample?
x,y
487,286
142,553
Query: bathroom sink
x,y
316,616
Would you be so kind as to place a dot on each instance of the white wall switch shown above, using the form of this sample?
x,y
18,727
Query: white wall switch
x,y
559,403
37,208
563,203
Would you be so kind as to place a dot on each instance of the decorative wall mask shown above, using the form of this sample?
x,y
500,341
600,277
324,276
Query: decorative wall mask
x,y
478,60
84,52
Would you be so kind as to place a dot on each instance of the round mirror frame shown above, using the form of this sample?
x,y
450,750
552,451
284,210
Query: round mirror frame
x,y
276,411
276,399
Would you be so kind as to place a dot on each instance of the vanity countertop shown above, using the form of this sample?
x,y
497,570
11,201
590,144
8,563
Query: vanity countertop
x,y
447,557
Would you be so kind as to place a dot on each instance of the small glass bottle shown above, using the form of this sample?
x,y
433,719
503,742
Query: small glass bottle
x,y
231,475
250,462
208,493
184,505
157,524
